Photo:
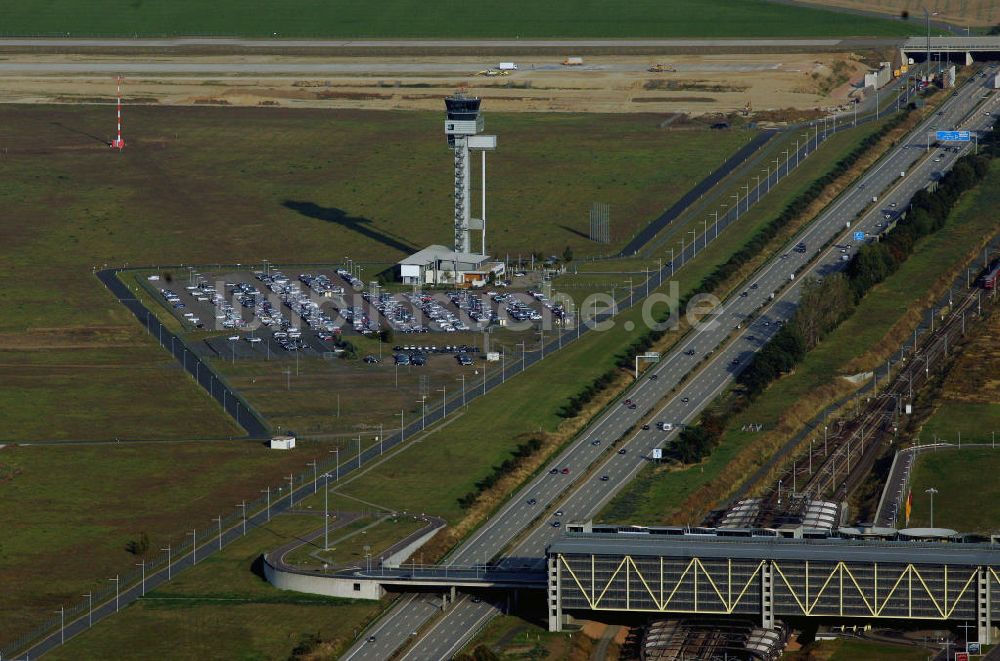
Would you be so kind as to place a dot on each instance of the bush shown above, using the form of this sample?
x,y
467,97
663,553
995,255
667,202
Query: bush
x,y
520,455
577,402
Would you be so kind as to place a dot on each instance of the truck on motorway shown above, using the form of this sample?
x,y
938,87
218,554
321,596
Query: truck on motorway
x,y
507,66
572,61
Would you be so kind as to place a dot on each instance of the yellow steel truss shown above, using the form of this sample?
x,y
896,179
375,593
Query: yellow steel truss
x,y
840,582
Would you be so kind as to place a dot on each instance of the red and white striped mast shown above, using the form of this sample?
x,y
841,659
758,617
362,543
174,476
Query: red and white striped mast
x,y
118,143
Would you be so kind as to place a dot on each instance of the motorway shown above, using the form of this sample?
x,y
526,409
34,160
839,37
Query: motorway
x,y
593,451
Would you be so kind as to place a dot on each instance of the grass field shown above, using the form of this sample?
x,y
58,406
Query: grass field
x,y
969,404
953,473
526,406
69,511
209,185
443,19
656,494
223,609
850,650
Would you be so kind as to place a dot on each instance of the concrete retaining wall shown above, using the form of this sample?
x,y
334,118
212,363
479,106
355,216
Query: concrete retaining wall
x,y
394,559
330,586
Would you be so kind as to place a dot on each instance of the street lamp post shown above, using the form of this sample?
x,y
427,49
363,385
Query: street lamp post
x,y
62,624
243,508
326,511
315,476
932,491
168,560
194,546
218,521
142,585
444,401
90,608
116,580
336,451
268,492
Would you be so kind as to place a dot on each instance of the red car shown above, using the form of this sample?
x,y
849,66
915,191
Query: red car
x,y
565,471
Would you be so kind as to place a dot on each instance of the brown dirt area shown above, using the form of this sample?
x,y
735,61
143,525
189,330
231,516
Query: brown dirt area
x,y
618,84
976,377
974,13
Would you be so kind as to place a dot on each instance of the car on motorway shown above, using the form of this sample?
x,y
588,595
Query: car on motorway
x,y
371,639
689,352
532,501
623,450
605,478
596,441
558,513
654,377
632,406
476,600
556,524
685,400
554,471
645,428
565,471
665,426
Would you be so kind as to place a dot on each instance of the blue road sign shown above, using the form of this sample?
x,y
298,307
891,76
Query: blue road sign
x,y
953,136
859,236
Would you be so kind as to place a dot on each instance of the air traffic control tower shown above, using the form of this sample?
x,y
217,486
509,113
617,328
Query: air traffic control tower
x,y
463,127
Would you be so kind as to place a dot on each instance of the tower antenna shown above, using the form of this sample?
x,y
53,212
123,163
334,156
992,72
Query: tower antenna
x,y
118,143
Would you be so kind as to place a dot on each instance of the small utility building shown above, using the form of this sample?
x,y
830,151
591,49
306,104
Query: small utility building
x,y
437,265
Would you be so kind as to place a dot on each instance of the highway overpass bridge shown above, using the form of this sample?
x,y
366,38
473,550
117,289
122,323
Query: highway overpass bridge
x,y
764,574
959,50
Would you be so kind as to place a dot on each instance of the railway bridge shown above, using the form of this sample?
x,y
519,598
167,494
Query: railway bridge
x,y
763,574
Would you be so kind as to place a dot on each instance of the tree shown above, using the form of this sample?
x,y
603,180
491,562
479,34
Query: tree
x,y
568,255
139,547
386,335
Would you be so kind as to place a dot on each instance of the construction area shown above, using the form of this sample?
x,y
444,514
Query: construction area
x,y
690,84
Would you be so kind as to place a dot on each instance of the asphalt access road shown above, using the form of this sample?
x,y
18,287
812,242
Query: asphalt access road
x,y
726,358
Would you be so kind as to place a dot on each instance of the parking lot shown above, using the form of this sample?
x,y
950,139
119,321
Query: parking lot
x,y
270,314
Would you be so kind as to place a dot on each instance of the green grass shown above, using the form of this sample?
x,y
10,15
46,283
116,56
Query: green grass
x,y
656,492
443,19
223,609
954,472
527,405
978,422
208,185
347,546
68,511
851,650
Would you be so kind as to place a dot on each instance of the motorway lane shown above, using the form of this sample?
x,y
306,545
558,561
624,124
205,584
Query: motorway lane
x,y
587,498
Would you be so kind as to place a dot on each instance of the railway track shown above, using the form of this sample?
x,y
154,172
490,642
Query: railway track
x,y
834,465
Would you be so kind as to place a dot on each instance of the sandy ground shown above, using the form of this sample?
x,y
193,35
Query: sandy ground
x,y
974,13
701,84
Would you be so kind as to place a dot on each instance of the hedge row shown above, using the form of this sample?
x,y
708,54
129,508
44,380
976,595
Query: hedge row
x,y
927,213
760,239
523,451
581,399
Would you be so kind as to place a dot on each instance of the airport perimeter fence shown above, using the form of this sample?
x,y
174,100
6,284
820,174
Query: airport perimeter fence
x,y
821,130
233,403
161,567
